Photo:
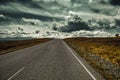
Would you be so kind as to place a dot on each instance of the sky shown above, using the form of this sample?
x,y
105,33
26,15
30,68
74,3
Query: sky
x,y
56,18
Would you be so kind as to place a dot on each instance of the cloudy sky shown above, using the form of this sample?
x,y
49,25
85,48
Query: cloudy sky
x,y
50,18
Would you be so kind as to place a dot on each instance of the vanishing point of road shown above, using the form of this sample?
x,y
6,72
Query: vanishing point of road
x,y
53,60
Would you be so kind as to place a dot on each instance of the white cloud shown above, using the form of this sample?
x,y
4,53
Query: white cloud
x,y
2,16
85,33
30,31
35,21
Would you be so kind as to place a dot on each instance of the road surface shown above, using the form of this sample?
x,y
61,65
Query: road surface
x,y
53,60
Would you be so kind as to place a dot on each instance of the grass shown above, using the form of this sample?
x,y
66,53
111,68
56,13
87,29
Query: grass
x,y
102,53
11,46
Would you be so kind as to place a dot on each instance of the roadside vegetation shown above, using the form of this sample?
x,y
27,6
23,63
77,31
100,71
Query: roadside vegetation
x,y
102,53
10,46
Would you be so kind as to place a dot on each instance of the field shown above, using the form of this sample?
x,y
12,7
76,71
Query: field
x,y
102,53
10,46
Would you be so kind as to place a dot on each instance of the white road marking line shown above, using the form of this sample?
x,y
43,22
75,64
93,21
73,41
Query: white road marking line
x,y
81,63
15,74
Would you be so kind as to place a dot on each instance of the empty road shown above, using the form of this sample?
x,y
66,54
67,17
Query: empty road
x,y
53,60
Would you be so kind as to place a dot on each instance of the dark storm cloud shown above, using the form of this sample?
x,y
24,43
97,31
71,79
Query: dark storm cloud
x,y
20,15
115,2
10,8
29,3
73,26
75,1
5,1
90,25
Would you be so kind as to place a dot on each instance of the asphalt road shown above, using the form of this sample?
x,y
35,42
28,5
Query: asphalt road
x,y
53,60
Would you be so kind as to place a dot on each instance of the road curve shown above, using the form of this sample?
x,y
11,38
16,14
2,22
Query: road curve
x,y
53,60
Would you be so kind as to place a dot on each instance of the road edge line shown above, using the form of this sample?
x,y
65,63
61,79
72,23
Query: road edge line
x,y
16,73
80,62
